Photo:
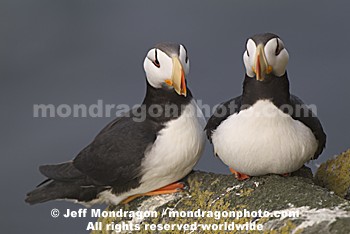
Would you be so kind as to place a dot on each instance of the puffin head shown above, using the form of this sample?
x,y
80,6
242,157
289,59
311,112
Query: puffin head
x,y
166,66
265,56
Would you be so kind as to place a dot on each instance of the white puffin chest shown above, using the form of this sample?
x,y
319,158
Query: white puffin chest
x,y
176,150
262,140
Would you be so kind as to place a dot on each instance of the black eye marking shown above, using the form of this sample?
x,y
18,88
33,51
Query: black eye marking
x,y
186,58
156,62
279,48
247,52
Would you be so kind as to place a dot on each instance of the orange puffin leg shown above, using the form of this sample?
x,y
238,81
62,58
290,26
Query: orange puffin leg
x,y
239,176
171,188
176,185
286,174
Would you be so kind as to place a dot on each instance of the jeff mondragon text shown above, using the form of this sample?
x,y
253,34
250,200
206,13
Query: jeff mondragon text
x,y
237,214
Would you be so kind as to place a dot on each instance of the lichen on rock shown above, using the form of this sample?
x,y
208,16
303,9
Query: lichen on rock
x,y
317,208
334,174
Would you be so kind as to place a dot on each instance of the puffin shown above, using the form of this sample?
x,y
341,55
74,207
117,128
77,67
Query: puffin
x,y
265,130
143,152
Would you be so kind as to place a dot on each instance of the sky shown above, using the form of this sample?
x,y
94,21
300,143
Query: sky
x,y
78,52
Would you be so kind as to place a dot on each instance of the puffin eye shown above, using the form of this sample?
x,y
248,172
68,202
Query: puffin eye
x,y
279,48
186,58
156,62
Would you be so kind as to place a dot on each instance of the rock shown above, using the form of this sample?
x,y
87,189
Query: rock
x,y
315,209
335,175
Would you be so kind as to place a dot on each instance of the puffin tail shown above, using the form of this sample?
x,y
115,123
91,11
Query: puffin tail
x,y
51,190
64,182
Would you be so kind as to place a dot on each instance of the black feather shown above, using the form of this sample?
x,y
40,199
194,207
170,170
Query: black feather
x,y
62,172
263,38
74,190
310,120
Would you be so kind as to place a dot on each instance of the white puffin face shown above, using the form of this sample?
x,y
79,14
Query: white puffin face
x,y
167,68
271,58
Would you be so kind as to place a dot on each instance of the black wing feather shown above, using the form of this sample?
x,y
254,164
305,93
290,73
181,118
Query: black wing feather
x,y
222,112
61,172
310,120
115,156
113,159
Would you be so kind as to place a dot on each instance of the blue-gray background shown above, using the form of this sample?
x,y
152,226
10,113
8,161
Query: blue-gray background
x,y
76,52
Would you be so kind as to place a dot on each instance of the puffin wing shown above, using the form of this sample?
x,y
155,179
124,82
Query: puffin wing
x,y
61,172
115,155
222,112
307,117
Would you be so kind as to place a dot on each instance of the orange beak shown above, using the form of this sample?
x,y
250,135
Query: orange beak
x,y
178,78
261,66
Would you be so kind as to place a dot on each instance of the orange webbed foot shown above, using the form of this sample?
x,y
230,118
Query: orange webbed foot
x,y
239,176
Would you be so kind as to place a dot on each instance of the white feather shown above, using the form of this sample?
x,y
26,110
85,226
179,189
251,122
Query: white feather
x,y
262,140
156,76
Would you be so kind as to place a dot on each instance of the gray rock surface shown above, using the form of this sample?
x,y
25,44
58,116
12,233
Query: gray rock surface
x,y
334,174
317,209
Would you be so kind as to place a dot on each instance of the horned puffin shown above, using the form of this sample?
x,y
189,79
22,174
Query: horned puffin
x,y
266,130
135,156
